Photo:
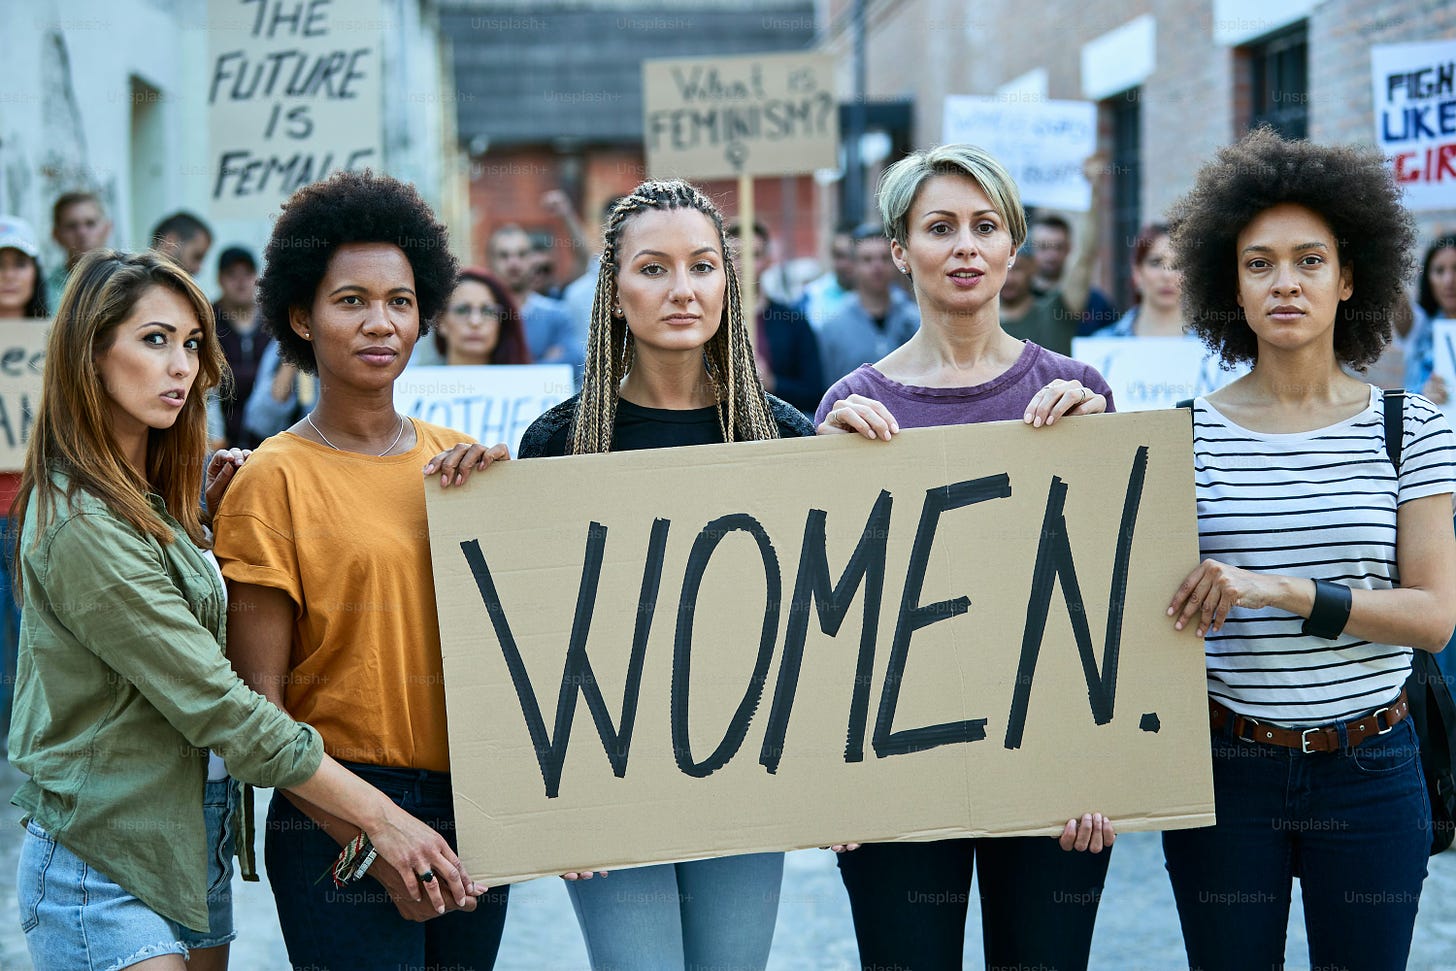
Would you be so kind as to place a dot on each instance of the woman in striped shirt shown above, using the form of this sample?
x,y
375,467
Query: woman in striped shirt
x,y
1324,565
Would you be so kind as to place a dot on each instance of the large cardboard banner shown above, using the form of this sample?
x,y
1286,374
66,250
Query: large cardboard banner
x,y
1415,118
22,361
1147,373
492,403
756,114
683,653
294,93
1043,144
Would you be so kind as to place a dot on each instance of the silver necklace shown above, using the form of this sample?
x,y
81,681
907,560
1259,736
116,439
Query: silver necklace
x,y
400,434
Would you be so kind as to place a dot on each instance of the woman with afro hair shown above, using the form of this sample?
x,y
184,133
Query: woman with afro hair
x,y
322,539
1325,563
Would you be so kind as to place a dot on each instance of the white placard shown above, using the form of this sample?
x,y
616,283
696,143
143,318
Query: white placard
x,y
294,92
491,403
1146,373
1043,144
1414,88
1443,362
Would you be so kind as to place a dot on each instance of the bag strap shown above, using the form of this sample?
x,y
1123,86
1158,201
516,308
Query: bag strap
x,y
1394,426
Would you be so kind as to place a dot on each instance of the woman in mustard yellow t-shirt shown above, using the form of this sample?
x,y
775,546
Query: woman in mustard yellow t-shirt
x,y
324,544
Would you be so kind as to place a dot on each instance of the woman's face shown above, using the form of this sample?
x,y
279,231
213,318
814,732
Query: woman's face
x,y
365,317
1290,279
471,323
148,369
1441,274
957,246
17,282
1158,283
672,283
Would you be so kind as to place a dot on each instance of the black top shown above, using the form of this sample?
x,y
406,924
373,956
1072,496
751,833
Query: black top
x,y
639,427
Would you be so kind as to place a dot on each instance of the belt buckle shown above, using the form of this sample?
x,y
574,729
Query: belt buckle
x,y
1304,739
1388,727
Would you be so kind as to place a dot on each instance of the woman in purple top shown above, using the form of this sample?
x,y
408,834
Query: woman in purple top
x,y
955,222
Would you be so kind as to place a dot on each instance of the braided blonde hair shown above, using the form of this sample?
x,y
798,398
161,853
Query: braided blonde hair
x,y
743,409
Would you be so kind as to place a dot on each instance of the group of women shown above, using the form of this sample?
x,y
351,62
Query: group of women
x,y
1324,567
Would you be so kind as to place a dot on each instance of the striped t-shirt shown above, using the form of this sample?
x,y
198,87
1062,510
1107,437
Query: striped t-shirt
x,y
1319,504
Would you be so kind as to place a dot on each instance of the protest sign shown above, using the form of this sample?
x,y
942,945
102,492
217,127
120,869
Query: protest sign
x,y
1443,362
22,359
491,403
1415,118
1043,144
683,653
1146,373
759,114
294,93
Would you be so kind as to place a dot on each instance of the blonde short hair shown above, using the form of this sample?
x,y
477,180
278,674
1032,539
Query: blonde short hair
x,y
902,181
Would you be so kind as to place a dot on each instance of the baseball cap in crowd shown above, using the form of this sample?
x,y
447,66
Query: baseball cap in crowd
x,y
16,234
235,254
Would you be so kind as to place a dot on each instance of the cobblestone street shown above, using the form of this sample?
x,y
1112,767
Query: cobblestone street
x,y
1137,927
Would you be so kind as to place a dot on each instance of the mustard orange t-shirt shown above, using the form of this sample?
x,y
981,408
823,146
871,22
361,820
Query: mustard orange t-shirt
x,y
345,536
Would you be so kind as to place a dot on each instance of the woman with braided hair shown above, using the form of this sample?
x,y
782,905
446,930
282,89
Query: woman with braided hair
x,y
668,363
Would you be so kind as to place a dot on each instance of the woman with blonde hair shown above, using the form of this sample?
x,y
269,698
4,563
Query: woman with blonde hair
x,y
955,223
123,684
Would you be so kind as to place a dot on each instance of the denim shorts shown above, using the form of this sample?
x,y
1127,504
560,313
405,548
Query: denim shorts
x,y
217,807
76,918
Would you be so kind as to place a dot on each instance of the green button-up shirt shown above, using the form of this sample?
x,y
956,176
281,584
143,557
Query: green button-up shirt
x,y
122,687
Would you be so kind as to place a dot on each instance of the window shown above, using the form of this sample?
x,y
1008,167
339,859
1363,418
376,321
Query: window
x,y
1278,67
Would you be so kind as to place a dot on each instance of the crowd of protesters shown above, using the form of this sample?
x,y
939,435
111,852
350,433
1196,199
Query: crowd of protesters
x,y
1326,560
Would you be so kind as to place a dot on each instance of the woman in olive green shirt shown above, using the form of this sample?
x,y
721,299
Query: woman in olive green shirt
x,y
122,680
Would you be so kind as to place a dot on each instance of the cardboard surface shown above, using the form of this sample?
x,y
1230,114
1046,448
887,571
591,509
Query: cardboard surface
x,y
492,403
22,361
756,114
1043,144
294,93
695,591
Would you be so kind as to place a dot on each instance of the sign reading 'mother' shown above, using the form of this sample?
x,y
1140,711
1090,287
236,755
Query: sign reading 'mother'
x,y
675,654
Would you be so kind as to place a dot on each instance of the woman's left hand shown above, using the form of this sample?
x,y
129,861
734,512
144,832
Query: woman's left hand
x,y
1088,835
220,469
456,465
1214,588
1060,398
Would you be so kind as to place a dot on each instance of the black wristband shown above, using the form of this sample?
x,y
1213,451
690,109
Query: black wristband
x,y
1331,611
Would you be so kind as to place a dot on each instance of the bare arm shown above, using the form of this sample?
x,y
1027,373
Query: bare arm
x,y
260,635
1421,612
1077,281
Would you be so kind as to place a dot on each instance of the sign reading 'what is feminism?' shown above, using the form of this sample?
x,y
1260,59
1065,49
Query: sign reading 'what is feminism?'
x,y
682,653
720,117
294,93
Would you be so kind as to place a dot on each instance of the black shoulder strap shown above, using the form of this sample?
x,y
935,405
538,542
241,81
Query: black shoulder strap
x,y
1394,426
1186,403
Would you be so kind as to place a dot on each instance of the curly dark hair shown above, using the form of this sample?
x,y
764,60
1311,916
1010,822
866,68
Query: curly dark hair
x,y
1350,188
349,207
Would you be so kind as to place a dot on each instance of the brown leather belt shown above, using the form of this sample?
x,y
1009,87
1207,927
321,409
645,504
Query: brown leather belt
x,y
1322,738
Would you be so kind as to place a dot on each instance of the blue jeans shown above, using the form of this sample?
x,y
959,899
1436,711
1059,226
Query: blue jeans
x,y
217,810
358,928
693,916
9,632
1353,825
1038,902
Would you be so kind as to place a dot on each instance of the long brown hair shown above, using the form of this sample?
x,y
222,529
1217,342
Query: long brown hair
x,y
72,433
743,410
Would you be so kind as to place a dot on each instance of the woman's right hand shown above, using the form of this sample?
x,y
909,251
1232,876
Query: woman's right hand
x,y
584,874
1435,389
424,863
859,414
456,465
